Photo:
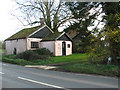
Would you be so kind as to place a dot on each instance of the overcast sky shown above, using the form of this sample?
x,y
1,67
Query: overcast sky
x,y
9,24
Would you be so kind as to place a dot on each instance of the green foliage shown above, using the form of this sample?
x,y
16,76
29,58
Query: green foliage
x,y
79,48
74,58
16,61
98,53
80,45
43,51
31,55
28,55
109,46
71,58
80,12
73,63
13,56
107,70
111,7
2,50
76,48
2,45
111,32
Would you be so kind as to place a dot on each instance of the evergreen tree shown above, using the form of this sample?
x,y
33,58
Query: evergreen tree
x,y
112,29
110,32
83,19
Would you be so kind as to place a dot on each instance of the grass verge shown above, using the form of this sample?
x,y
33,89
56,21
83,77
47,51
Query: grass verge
x,y
77,63
16,61
106,70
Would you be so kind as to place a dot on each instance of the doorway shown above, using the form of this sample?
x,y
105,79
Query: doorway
x,y
63,48
15,51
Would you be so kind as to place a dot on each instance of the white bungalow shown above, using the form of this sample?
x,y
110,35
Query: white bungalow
x,y
39,37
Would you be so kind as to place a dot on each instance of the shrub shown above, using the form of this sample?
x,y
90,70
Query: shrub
x,y
28,55
25,55
31,55
43,51
44,57
10,56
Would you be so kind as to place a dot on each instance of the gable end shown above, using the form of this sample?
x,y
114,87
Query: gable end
x,y
64,37
41,33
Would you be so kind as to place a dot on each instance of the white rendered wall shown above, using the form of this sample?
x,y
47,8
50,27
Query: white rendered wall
x,y
58,48
50,45
19,44
29,40
25,44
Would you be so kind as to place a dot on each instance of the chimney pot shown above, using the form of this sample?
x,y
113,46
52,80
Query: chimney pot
x,y
42,21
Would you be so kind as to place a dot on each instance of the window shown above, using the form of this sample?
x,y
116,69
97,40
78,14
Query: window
x,y
68,45
34,45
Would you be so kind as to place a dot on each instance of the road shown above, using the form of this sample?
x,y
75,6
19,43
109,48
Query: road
x,y
14,76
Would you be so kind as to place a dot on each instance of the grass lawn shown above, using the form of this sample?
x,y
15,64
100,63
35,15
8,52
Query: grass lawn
x,y
106,70
2,50
63,60
77,63
74,58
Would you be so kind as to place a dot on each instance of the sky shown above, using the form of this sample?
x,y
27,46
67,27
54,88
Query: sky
x,y
9,23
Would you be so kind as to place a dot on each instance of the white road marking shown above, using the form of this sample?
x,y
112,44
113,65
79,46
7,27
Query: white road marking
x,y
2,73
40,83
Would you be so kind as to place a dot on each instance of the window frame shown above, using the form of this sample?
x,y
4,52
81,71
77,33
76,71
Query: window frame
x,y
68,45
34,44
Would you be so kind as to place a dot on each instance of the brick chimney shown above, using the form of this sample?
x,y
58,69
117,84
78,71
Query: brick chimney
x,y
42,21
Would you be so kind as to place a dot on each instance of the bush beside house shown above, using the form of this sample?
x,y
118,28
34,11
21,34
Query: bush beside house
x,y
30,55
77,63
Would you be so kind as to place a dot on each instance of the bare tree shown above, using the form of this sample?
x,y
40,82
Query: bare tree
x,y
54,12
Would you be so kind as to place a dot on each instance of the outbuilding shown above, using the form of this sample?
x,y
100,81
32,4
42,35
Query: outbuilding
x,y
39,37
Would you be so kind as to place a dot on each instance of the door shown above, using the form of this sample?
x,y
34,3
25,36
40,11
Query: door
x,y
15,51
63,48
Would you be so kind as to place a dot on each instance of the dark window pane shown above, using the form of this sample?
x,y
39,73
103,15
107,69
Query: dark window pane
x,y
68,45
34,45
